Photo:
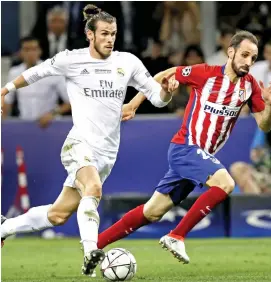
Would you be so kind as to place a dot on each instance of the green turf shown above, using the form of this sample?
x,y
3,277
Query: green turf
x,y
29,260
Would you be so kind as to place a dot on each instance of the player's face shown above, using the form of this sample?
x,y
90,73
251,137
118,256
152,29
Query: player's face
x,y
267,53
244,57
30,52
104,38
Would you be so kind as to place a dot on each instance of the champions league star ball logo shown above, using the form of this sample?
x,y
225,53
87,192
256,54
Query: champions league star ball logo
x,y
186,71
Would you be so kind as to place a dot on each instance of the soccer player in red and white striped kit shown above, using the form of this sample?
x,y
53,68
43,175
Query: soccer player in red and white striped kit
x,y
217,97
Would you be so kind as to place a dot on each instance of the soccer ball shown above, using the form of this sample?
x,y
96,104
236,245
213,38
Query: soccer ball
x,y
118,265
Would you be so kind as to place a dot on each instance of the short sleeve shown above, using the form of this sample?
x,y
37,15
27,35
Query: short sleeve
x,y
256,102
194,76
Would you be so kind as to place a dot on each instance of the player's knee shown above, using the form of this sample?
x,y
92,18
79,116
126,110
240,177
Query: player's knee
x,y
228,186
57,218
94,189
223,180
152,215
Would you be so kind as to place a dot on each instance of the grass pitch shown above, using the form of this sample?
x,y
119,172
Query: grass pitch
x,y
219,260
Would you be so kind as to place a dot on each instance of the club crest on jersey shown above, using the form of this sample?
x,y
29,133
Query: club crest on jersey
x,y
242,94
120,72
186,71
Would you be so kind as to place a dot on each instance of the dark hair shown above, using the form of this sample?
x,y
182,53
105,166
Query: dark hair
x,y
27,39
241,36
93,14
224,31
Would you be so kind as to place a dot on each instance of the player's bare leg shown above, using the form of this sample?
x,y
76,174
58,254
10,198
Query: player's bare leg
x,y
42,217
242,173
89,183
152,211
157,206
221,184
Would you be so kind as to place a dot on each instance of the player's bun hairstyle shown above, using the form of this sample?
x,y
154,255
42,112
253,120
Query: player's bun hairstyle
x,y
89,11
93,14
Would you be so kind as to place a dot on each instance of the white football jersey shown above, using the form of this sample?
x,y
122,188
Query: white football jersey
x,y
96,90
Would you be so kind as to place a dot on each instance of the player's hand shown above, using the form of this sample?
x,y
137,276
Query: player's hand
x,y
169,84
128,112
266,93
45,120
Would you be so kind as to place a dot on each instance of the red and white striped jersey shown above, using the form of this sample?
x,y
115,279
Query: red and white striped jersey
x,y
214,105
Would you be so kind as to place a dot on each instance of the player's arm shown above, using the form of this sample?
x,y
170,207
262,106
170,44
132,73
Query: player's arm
x,y
51,67
263,118
194,76
189,75
129,109
140,97
158,94
9,100
260,105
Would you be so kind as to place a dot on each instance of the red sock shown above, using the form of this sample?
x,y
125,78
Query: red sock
x,y
202,207
129,223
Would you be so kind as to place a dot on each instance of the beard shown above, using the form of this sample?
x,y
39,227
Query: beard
x,y
99,51
237,70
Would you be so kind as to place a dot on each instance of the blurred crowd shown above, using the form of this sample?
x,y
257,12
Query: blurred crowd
x,y
162,35
169,37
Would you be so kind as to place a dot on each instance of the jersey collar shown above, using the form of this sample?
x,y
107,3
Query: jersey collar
x,y
223,69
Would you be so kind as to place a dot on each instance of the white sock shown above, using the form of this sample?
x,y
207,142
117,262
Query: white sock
x,y
88,221
34,220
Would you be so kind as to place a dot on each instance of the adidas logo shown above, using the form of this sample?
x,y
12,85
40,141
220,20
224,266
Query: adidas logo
x,y
172,240
84,71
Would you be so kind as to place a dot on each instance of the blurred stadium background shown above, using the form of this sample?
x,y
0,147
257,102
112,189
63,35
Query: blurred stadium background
x,y
162,34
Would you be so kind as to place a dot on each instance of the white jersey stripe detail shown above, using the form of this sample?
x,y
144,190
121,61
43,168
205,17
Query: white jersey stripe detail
x,y
219,100
190,139
248,88
204,97
233,103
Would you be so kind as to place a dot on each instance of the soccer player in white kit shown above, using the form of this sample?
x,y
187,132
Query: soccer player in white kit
x,y
97,79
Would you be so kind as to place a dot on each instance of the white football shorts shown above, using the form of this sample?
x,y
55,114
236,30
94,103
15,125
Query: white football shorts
x,y
76,154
